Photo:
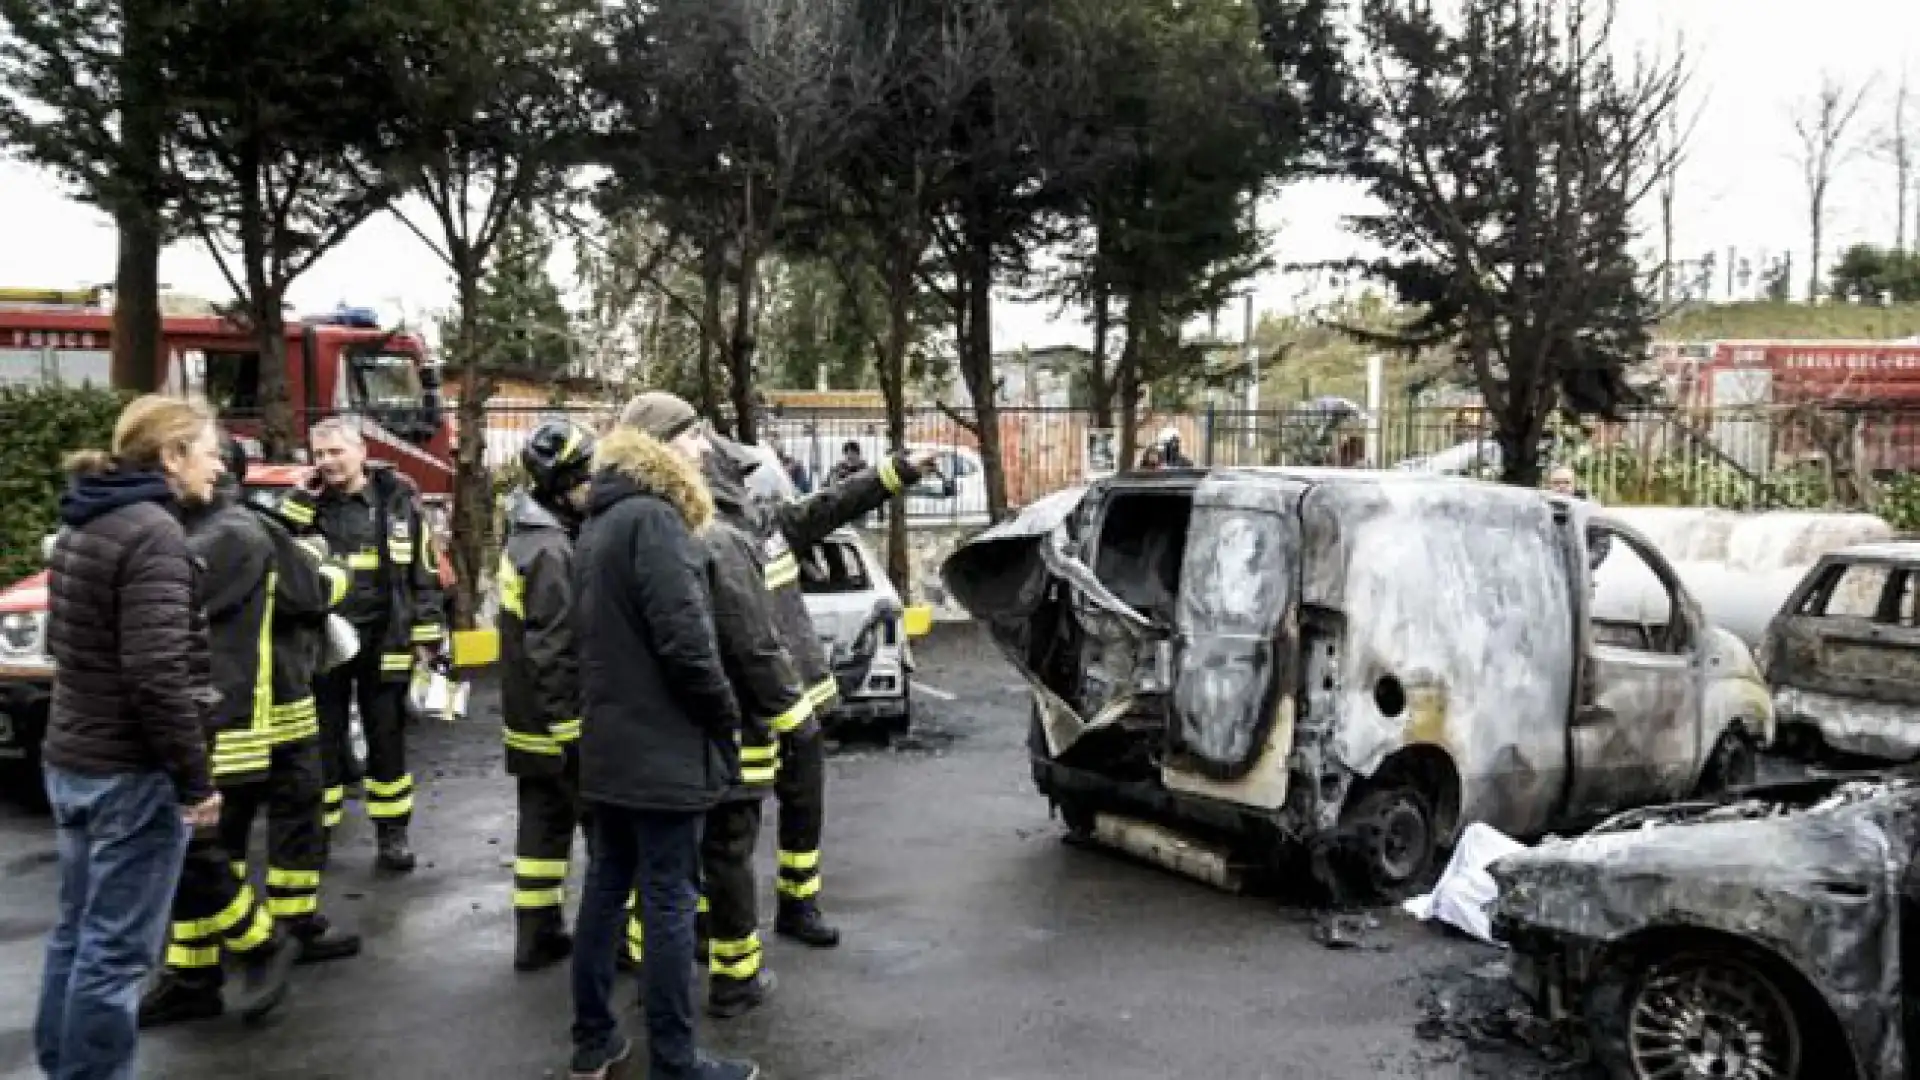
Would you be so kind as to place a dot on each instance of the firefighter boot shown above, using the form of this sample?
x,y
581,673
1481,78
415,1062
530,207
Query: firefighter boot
x,y
395,853
318,942
264,973
801,921
728,997
176,999
539,940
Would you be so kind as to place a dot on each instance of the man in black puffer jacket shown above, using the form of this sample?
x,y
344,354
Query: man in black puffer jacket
x,y
658,743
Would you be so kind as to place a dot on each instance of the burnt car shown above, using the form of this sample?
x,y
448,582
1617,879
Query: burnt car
x,y
1759,938
1352,663
1843,656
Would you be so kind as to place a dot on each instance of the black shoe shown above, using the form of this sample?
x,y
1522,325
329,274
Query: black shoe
x,y
174,1000
263,976
540,941
319,944
706,1068
599,1064
729,997
395,853
801,921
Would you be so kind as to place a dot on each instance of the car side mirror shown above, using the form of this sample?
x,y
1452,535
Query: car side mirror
x,y
887,609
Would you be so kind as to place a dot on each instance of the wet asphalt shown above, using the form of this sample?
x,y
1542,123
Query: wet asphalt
x,y
978,945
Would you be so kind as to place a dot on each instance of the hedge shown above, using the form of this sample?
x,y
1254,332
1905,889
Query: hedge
x,y
38,427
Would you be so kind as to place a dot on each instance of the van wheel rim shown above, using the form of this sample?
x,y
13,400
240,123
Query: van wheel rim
x,y
1712,1020
1401,841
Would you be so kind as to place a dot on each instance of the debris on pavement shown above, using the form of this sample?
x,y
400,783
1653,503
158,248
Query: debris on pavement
x,y
1347,930
1465,892
1480,1010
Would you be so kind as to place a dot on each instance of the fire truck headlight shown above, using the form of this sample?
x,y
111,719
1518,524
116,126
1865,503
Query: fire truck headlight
x,y
23,635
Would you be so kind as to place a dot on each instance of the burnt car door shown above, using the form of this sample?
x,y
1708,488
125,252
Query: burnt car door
x,y
1236,627
1636,733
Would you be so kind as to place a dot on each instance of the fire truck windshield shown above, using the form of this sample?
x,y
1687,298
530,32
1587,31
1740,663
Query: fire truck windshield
x,y
389,380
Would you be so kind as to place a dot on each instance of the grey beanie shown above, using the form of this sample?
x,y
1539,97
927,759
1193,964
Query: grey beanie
x,y
659,414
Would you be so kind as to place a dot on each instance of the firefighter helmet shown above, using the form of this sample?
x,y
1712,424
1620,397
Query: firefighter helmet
x,y
558,456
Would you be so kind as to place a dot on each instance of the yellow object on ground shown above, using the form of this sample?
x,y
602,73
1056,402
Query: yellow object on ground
x,y
919,620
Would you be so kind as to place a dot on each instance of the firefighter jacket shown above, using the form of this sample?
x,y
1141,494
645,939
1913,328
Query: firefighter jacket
x,y
765,680
256,581
394,599
786,532
540,671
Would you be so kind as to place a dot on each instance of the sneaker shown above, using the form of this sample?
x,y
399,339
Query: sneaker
x,y
728,998
708,1068
174,1000
598,1064
320,943
264,976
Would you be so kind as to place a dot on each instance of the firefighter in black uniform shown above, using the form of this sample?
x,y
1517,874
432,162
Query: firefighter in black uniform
x,y
540,681
781,531
371,518
264,596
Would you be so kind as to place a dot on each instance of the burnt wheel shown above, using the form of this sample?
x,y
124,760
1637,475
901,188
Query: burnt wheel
x,y
1391,842
1719,1017
1733,764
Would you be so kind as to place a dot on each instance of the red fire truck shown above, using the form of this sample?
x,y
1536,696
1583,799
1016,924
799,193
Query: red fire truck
x,y
338,364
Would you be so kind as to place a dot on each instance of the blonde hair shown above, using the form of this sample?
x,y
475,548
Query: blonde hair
x,y
149,426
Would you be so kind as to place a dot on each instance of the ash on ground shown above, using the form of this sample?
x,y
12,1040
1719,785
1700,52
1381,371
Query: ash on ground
x,y
1475,1016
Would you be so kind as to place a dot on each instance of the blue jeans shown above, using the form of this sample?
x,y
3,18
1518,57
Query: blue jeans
x,y
661,852
121,841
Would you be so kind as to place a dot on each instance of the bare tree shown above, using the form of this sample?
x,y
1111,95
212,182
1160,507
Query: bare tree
x,y
1896,148
1821,124
1670,154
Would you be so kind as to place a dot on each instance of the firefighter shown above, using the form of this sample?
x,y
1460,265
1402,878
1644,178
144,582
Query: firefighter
x,y
540,681
261,593
370,516
781,531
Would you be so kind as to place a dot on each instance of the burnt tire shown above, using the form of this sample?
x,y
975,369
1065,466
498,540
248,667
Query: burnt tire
x,y
1726,1012
1734,763
1390,843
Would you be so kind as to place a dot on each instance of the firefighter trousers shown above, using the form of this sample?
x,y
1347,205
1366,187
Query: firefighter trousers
x,y
549,812
215,906
388,784
801,789
726,865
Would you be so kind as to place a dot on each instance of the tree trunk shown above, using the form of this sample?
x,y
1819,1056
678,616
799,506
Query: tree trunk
x,y
262,303
741,343
472,485
893,377
1098,387
712,270
976,363
1667,194
1128,377
1818,229
136,284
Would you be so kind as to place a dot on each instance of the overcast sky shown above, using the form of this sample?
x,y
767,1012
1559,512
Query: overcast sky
x,y
1754,59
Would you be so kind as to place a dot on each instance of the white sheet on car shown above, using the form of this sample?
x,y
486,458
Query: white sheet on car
x,y
1465,891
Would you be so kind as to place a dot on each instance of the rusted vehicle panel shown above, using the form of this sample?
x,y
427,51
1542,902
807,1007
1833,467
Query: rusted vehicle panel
x,y
1843,655
1757,937
1353,659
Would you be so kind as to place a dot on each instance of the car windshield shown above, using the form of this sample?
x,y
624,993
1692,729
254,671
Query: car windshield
x,y
389,379
834,567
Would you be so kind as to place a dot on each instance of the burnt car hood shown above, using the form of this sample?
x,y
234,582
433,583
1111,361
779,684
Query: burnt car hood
x,y
1000,576
1808,878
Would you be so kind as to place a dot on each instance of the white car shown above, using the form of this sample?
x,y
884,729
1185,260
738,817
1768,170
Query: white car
x,y
862,627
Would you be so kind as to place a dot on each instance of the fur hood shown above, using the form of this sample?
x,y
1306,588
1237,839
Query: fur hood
x,y
651,466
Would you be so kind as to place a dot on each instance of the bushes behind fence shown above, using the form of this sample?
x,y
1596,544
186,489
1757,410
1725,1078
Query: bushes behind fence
x,y
38,426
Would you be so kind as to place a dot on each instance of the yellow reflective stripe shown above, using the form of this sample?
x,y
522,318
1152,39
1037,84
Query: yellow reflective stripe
x,y
540,868
292,879
217,925
823,693
297,512
364,560
294,720
564,730
800,860
734,949
701,905
782,571
539,898
792,719
759,774
334,796
396,661
292,907
331,819
394,809
337,578
636,938
529,743
746,967
799,890
510,587
259,930
759,754
239,869
288,712
427,633
263,661
388,789
187,957
401,552
890,476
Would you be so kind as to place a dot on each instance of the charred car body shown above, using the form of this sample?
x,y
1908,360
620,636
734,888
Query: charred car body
x,y
1358,661
1843,656
1764,937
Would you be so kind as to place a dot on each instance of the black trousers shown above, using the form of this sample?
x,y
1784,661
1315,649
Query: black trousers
x,y
389,786
802,791
726,865
215,906
549,812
